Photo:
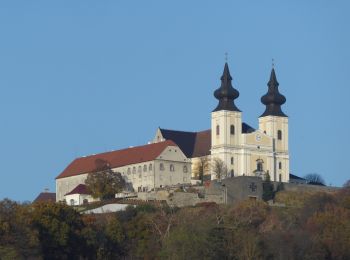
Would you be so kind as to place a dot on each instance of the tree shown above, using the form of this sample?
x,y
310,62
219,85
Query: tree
x,y
219,168
314,179
59,230
346,184
268,190
104,183
200,168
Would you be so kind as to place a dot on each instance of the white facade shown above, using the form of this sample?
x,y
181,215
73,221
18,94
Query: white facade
x,y
171,167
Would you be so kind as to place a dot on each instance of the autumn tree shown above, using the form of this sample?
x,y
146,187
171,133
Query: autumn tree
x,y
104,183
59,230
201,166
219,168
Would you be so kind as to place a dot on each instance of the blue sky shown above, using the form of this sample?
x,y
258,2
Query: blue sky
x,y
83,77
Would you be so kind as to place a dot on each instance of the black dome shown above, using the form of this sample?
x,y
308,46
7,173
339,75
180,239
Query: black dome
x,y
273,99
226,94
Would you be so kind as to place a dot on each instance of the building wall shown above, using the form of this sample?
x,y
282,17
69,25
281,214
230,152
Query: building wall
x,y
65,185
139,176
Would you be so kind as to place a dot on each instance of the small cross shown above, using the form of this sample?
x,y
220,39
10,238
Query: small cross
x,y
273,63
226,54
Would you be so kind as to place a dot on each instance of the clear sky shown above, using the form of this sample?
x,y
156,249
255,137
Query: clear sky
x,y
83,77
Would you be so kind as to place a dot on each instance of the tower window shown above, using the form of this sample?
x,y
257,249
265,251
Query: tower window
x,y
231,160
280,165
279,135
150,167
232,173
172,168
217,130
145,168
259,165
232,129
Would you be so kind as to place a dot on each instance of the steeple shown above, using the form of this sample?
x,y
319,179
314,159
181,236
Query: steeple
x,y
273,99
226,94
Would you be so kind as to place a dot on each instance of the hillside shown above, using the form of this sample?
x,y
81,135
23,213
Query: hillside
x,y
309,226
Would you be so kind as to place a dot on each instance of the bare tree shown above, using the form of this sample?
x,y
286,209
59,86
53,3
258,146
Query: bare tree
x,y
200,168
219,168
347,184
314,179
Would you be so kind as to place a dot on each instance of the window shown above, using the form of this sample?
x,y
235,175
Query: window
x,y
279,135
280,165
185,169
172,168
139,170
85,202
72,202
161,166
145,168
232,129
150,167
259,165
129,171
217,130
231,160
280,177
232,173
133,170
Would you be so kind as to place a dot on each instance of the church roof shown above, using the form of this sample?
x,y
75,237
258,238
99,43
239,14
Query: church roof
x,y
195,144
80,189
192,144
46,197
115,159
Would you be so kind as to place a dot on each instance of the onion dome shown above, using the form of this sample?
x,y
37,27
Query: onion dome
x,y
273,99
226,94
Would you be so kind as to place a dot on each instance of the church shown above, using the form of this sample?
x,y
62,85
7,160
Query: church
x,y
171,158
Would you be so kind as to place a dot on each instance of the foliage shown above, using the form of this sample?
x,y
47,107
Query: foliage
x,y
314,226
314,179
219,168
105,184
268,190
200,168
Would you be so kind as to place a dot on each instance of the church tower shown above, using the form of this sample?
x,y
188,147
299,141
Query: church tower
x,y
274,123
226,124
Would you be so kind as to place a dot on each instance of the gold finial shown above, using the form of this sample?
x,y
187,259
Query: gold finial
x,y
226,55
273,63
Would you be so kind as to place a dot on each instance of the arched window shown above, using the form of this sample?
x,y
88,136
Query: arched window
x,y
134,170
72,202
145,168
280,165
172,168
161,166
232,129
150,167
259,165
279,135
185,169
139,169
232,173
231,160
217,130
129,171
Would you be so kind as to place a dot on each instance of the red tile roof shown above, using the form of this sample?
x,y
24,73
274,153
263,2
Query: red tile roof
x,y
46,197
80,189
115,159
